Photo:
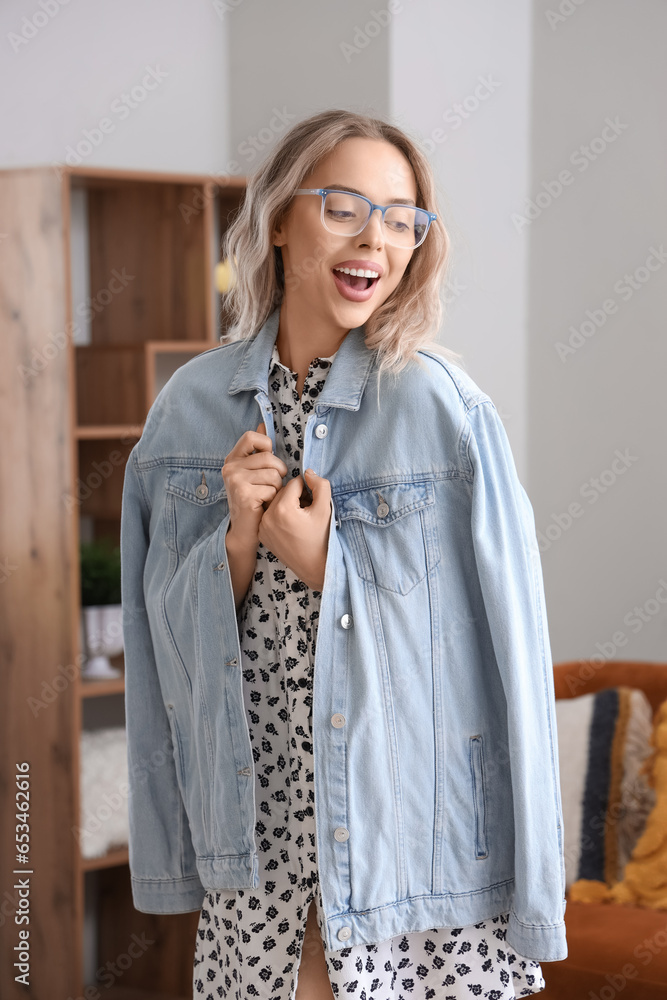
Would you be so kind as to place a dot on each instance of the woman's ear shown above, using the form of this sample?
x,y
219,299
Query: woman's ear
x,y
278,236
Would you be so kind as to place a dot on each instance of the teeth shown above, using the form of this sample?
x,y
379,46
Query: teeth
x,y
360,271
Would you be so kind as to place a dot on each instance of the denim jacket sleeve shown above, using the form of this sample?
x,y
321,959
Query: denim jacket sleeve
x,y
510,574
163,868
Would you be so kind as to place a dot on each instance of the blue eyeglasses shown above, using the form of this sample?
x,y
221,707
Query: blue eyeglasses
x,y
346,214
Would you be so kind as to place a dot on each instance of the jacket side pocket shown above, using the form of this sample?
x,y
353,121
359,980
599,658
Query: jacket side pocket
x,y
178,750
477,772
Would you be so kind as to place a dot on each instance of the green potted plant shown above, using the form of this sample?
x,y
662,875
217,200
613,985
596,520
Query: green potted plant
x,y
101,609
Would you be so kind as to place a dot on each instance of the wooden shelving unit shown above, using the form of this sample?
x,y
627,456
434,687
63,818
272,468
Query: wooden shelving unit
x,y
106,281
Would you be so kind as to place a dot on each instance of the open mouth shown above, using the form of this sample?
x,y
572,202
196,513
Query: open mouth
x,y
354,280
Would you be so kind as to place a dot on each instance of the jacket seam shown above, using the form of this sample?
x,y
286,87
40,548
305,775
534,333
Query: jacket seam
x,y
483,402
435,895
468,401
191,462
557,923
208,463
140,480
166,881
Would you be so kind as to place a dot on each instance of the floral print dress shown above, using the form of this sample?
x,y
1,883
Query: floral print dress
x,y
249,941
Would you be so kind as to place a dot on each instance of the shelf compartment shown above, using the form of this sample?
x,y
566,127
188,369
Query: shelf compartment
x,y
99,486
147,261
117,383
101,688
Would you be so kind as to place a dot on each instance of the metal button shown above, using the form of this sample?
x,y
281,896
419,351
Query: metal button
x,y
321,430
383,509
245,770
344,933
338,720
341,834
346,621
232,663
202,489
220,566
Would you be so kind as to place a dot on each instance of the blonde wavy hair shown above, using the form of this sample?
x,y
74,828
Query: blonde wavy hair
x,y
410,318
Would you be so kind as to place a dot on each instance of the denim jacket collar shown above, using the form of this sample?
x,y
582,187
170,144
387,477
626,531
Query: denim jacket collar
x,y
345,382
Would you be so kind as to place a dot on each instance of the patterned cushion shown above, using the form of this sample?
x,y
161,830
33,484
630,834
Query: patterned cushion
x,y
603,740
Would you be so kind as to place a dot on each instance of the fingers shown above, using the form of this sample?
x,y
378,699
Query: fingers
x,y
262,482
249,442
253,476
256,450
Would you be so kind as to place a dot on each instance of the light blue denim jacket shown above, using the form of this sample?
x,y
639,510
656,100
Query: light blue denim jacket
x,y
437,800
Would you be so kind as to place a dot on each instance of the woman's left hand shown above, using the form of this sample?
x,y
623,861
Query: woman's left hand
x,y
298,535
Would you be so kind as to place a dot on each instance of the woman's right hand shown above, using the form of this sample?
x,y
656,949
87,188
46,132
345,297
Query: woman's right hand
x,y
252,475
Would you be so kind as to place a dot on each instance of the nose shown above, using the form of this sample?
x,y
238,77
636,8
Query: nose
x,y
373,231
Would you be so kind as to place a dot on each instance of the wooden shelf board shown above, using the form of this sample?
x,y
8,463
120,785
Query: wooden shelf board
x,y
227,182
196,346
99,432
112,859
98,689
156,345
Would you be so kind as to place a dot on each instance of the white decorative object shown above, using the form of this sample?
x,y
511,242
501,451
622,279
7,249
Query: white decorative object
x,y
102,637
104,791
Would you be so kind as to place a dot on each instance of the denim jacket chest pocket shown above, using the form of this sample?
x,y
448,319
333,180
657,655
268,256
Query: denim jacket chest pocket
x,y
391,529
195,504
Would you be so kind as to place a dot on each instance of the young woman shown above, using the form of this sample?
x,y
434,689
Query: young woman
x,y
406,820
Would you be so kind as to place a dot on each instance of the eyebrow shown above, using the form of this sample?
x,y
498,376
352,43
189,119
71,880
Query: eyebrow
x,y
394,201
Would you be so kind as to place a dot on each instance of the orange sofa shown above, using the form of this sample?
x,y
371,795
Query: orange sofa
x,y
613,951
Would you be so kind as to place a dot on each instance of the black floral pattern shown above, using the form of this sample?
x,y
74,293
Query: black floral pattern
x,y
249,941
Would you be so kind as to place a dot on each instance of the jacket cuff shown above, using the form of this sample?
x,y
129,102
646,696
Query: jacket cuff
x,y
180,895
540,942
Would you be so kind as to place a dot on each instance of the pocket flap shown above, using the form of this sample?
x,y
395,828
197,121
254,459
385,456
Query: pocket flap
x,y
385,503
199,484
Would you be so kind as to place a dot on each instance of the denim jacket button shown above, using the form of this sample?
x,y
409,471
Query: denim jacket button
x,y
344,933
383,509
341,834
321,430
202,490
338,720
346,621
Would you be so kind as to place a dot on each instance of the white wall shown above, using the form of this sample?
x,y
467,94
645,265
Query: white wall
x,y
604,61
460,81
62,77
300,58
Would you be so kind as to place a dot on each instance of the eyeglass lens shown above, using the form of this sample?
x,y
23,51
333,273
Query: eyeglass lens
x,y
348,214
